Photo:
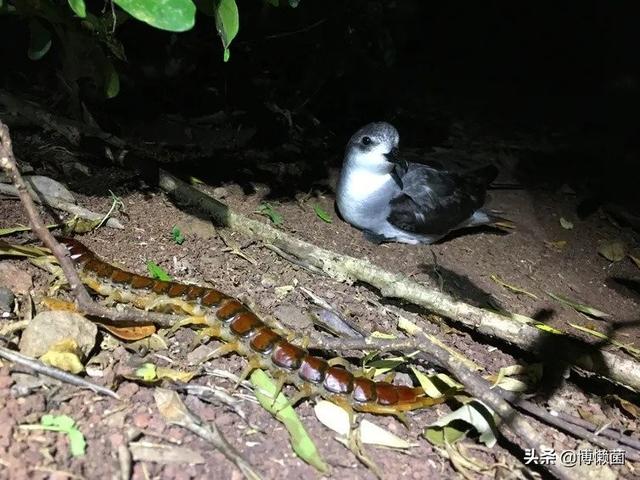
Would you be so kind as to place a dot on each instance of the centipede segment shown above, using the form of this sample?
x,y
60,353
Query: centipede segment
x,y
239,326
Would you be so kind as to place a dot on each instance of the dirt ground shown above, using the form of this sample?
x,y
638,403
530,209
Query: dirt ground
x,y
539,256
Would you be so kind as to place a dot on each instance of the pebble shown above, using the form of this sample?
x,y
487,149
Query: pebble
x,y
6,300
48,328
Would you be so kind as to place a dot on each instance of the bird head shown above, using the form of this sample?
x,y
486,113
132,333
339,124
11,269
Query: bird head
x,y
374,147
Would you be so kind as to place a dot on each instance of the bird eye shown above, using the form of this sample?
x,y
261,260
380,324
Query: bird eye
x,y
366,141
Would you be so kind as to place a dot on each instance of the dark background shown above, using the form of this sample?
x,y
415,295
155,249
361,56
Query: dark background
x,y
567,71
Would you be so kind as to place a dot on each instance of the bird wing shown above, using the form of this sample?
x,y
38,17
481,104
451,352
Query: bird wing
x,y
436,202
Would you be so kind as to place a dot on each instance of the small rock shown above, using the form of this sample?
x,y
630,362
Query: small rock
x,y
269,280
141,419
198,354
196,227
48,328
220,192
127,390
14,278
293,317
49,189
116,440
6,300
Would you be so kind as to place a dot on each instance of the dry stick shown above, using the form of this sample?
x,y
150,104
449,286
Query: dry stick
x,y
573,425
477,386
345,268
569,425
82,297
53,372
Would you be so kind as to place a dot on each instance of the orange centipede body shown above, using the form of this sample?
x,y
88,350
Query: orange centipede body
x,y
252,338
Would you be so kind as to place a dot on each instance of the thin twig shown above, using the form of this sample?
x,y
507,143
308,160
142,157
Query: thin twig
x,y
53,372
83,299
474,384
618,368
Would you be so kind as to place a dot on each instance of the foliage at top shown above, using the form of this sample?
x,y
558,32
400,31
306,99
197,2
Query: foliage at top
x,y
83,34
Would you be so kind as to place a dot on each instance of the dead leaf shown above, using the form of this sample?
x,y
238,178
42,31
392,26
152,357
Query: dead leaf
x,y
65,356
557,245
131,333
153,452
333,417
613,251
373,434
566,224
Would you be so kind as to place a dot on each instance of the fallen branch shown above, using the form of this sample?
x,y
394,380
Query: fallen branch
x,y
65,206
575,426
53,372
511,421
345,268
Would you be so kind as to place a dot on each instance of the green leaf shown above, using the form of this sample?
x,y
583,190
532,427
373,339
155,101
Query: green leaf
x,y
111,81
63,422
323,214
177,235
77,443
156,271
147,372
40,41
302,444
171,15
227,23
580,307
66,425
268,210
78,7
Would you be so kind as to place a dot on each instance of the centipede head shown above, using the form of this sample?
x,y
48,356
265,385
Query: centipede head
x,y
76,249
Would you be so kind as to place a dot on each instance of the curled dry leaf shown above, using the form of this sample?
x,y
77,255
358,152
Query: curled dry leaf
x,y
566,224
474,414
613,251
337,419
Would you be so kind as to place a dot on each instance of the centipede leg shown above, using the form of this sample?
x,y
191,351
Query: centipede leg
x,y
336,361
281,379
253,364
346,406
221,351
181,305
305,392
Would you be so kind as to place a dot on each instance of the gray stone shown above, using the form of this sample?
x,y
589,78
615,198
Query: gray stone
x,y
6,300
48,328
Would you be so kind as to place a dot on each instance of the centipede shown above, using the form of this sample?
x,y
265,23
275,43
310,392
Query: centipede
x,y
243,332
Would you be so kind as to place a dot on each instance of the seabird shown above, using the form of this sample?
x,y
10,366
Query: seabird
x,y
392,200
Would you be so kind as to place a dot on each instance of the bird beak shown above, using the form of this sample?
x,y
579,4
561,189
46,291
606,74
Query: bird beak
x,y
394,157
